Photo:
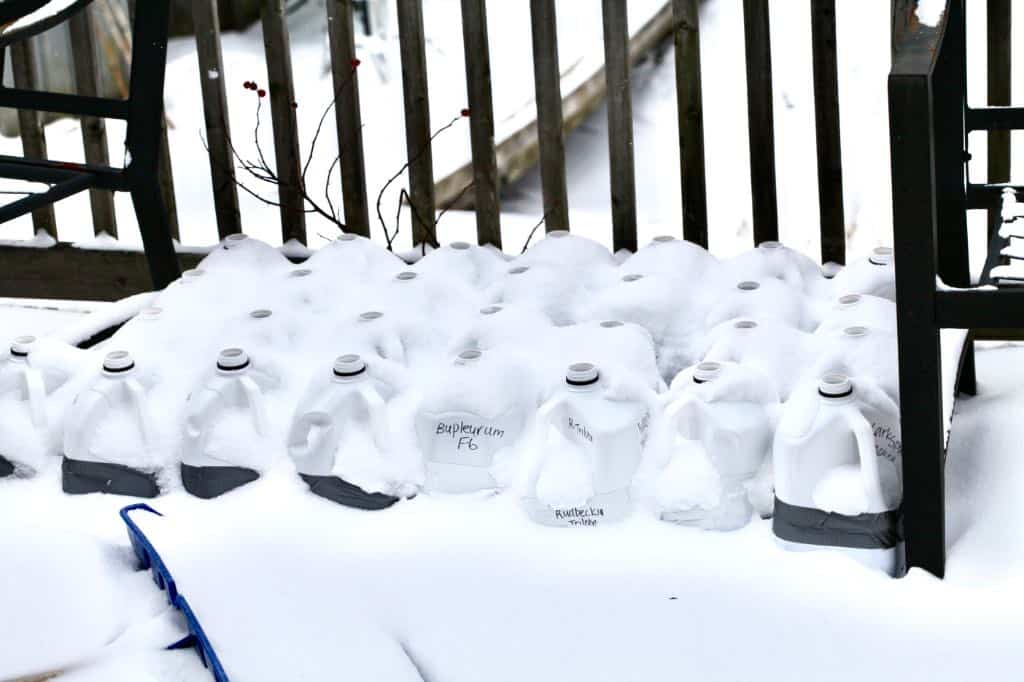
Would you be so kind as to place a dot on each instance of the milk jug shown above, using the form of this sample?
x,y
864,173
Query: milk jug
x,y
860,352
548,288
773,260
875,275
24,387
838,471
853,310
718,426
589,446
677,258
501,326
339,439
476,266
226,426
767,298
770,346
476,411
109,441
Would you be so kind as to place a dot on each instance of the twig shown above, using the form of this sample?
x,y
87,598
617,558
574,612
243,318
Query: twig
x,y
543,220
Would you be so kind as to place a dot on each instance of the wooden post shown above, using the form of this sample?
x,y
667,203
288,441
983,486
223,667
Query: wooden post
x,y
999,79
690,105
547,78
215,110
348,118
481,121
417,121
94,130
33,140
620,123
826,117
281,90
761,120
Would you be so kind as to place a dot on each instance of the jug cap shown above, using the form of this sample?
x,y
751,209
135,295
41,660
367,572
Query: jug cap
x,y
491,309
460,246
346,237
771,245
830,269
518,270
558,234
706,371
151,312
370,315
406,275
468,356
745,325
612,324
261,314
662,238
349,365
748,285
850,300
233,240
191,275
632,277
881,255
856,332
22,345
118,361
232,360
301,272
582,374
835,385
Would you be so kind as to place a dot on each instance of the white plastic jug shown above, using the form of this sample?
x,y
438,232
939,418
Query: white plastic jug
x,y
501,326
853,310
240,252
677,258
589,446
551,289
763,299
232,400
476,266
476,411
353,259
773,260
24,387
625,352
651,301
838,471
110,444
718,425
874,275
860,351
579,256
770,346
340,441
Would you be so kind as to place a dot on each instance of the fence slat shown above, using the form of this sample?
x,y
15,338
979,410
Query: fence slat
x,y
826,117
215,109
999,79
760,117
417,120
690,105
94,130
620,123
281,89
481,121
33,140
547,80
348,118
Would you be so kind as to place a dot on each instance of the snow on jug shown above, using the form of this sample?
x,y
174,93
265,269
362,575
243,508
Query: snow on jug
x,y
851,310
717,427
678,258
474,413
226,427
352,259
240,252
770,346
874,275
581,257
767,298
773,260
25,424
548,288
860,352
589,445
109,440
340,439
838,471
476,266
624,351
500,326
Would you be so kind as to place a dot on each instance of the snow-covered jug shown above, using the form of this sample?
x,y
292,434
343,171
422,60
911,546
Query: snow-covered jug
x,y
589,446
874,275
718,428
851,310
838,471
231,401
477,412
109,440
339,438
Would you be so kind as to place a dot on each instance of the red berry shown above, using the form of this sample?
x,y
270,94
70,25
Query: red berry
x,y
465,112
261,92
355,63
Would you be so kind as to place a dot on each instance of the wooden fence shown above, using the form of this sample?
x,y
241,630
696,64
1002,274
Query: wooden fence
x,y
68,272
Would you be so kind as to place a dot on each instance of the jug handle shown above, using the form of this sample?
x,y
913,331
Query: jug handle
x,y
87,411
378,416
254,395
36,389
545,414
137,394
862,431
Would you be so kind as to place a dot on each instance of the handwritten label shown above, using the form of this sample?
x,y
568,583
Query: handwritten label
x,y
579,516
467,435
888,445
580,429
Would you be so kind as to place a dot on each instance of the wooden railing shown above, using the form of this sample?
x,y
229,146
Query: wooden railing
x,y
105,275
